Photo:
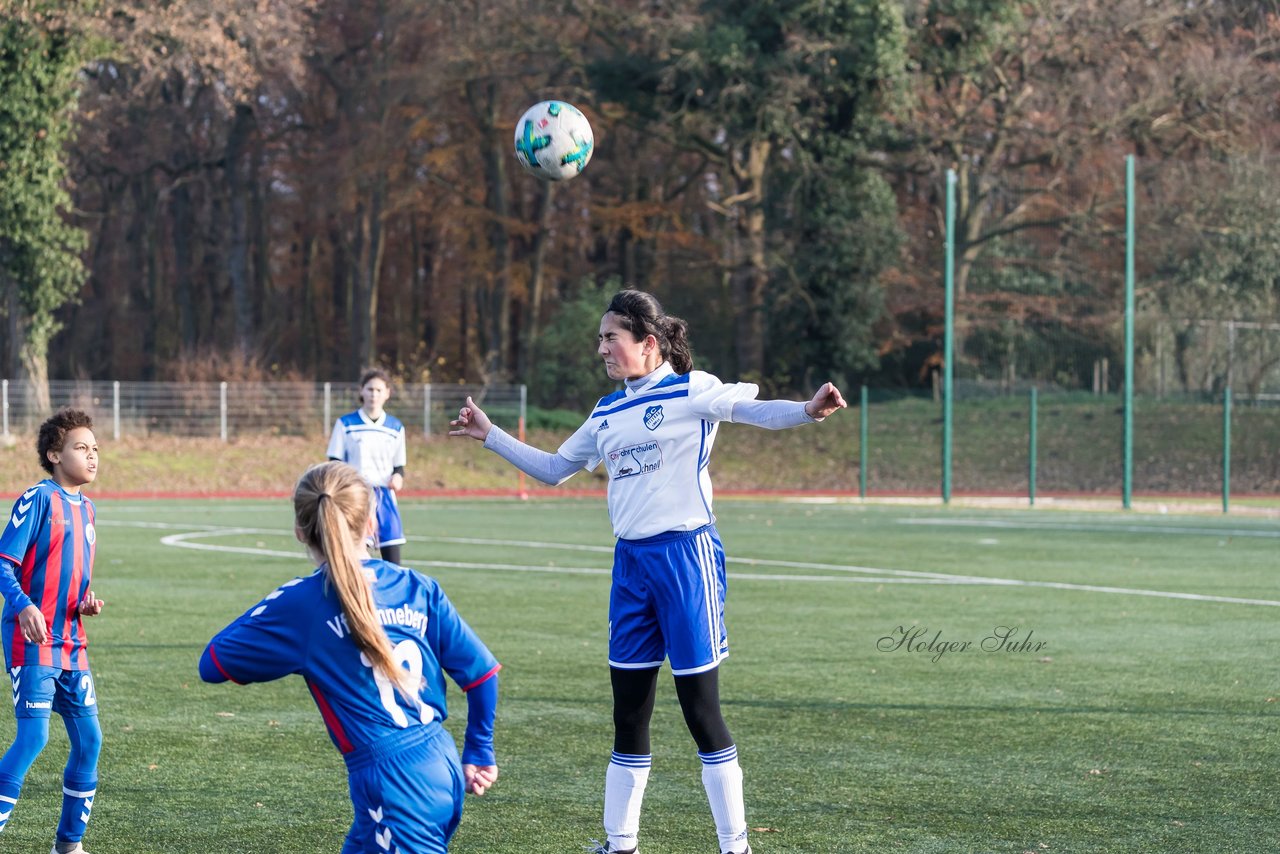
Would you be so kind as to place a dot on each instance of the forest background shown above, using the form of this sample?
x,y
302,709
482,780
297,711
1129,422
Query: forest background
x,y
276,189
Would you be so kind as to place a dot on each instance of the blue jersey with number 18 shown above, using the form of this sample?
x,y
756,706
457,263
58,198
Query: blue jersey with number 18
x,y
300,628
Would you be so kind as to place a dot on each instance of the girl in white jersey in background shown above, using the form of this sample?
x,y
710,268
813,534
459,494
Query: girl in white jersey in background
x,y
371,440
667,598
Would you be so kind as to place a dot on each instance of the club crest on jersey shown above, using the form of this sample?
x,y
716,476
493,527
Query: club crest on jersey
x,y
653,417
90,534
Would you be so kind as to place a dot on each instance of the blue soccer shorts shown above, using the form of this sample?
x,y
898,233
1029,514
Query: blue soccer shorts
x,y
667,601
390,528
39,691
407,792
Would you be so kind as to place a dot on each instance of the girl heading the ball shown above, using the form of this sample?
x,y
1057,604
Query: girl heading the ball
x,y
654,438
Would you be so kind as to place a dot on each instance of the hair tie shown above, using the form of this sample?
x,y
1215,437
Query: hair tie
x,y
323,495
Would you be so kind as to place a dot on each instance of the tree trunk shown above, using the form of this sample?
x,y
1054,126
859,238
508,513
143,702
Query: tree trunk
x,y
494,299
150,251
372,244
426,268
340,294
537,282
238,252
183,227
10,359
309,332
464,337
27,353
260,242
750,276
33,358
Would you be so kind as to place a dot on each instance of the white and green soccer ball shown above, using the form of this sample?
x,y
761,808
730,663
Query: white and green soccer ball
x,y
554,140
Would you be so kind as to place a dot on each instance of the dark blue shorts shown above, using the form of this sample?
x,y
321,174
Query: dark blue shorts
x,y
407,792
667,602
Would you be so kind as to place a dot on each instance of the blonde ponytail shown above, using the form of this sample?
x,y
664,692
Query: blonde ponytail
x,y
331,506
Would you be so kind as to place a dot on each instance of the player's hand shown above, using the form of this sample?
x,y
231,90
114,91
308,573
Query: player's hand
x,y
826,401
479,778
90,606
397,482
31,621
471,422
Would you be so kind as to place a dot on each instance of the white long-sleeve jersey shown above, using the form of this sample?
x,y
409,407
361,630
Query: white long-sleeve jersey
x,y
655,439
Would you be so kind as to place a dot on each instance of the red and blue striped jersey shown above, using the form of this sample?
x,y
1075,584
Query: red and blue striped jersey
x,y
46,560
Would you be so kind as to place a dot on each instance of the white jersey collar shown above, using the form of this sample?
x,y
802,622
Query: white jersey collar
x,y
377,422
649,380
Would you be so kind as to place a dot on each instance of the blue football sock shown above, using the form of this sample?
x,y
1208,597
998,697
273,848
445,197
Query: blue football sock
x,y
77,802
9,791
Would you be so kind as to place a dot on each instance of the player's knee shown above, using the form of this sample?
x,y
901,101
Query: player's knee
x,y
36,737
709,731
631,729
631,719
705,721
32,736
86,742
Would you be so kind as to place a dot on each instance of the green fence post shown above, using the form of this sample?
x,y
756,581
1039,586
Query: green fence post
x,y
1128,331
948,370
1031,452
863,461
1226,449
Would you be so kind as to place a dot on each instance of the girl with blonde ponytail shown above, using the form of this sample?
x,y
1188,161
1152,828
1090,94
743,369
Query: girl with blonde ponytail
x,y
374,642
333,512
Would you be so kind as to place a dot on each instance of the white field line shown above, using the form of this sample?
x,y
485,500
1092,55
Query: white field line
x,y
852,574
1015,524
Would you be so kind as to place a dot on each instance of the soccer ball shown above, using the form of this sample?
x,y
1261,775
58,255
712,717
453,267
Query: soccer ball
x,y
554,140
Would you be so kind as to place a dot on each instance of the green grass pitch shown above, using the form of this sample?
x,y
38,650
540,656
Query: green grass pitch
x,y
1136,708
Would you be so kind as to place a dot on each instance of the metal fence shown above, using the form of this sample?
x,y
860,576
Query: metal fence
x,y
230,409
1189,358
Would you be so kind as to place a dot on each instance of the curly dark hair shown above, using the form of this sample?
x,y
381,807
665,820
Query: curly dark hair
x,y
53,432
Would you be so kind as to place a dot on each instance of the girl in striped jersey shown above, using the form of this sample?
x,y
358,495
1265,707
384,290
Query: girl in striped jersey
x,y
667,598
46,561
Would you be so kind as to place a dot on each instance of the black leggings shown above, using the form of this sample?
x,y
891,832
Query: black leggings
x,y
633,697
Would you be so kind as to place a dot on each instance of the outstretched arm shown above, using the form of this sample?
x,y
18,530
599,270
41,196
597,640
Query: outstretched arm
x,y
551,469
781,414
